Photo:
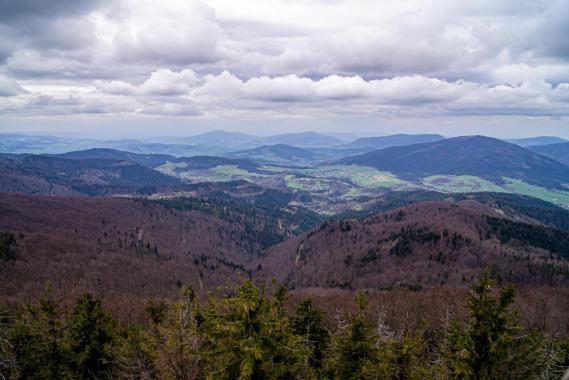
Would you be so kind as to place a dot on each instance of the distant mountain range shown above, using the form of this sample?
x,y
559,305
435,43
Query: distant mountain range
x,y
219,142
236,140
558,152
303,140
279,154
472,155
539,140
222,139
383,142
462,164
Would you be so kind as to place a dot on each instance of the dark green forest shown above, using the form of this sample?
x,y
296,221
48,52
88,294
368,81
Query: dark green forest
x,y
247,332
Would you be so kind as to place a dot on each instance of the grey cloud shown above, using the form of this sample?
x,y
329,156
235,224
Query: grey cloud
x,y
552,35
45,25
9,87
193,38
12,11
47,100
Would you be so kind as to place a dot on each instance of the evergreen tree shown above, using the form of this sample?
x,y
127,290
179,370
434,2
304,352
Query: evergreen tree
x,y
405,358
307,323
250,337
8,367
135,354
177,338
491,346
37,338
7,246
90,338
353,354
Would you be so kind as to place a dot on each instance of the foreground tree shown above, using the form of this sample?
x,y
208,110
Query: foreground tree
x,y
249,334
491,346
8,367
353,354
250,337
178,340
37,338
90,338
307,323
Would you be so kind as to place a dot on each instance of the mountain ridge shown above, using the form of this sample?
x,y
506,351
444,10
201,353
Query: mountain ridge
x,y
467,155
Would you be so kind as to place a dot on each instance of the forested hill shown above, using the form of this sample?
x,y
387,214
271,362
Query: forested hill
x,y
472,155
50,175
423,244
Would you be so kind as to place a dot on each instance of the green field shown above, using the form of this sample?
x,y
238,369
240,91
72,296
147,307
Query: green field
x,y
353,193
554,196
467,184
274,169
220,173
336,186
307,184
171,167
362,176
461,184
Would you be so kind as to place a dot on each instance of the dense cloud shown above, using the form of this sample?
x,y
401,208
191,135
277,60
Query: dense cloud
x,y
9,87
12,11
273,58
162,82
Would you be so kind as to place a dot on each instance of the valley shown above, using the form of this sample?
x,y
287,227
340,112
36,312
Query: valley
x,y
410,227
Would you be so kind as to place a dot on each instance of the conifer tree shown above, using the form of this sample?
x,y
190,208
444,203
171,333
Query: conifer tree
x,y
178,340
353,354
8,368
90,338
491,346
307,323
250,337
37,338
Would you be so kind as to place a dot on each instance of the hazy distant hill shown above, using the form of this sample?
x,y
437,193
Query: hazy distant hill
x,y
279,154
303,139
17,143
38,174
222,139
423,244
558,152
382,142
471,155
148,160
539,140
142,147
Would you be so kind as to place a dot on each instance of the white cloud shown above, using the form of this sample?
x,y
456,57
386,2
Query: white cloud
x,y
163,82
405,90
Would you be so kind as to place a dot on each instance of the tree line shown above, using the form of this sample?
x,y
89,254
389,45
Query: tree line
x,y
249,332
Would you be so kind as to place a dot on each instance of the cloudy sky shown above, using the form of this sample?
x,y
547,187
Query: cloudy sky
x,y
178,67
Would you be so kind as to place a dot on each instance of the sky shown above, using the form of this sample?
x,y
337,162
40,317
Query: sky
x,y
144,68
